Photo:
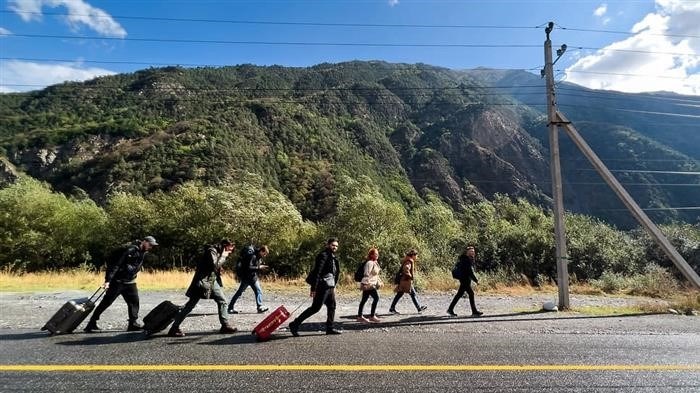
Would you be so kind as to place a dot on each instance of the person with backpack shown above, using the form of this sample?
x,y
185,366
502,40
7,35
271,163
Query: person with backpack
x,y
206,284
322,279
247,267
464,272
370,282
123,265
405,282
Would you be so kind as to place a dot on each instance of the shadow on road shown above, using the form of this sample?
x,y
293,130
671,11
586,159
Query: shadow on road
x,y
102,339
439,320
307,329
23,336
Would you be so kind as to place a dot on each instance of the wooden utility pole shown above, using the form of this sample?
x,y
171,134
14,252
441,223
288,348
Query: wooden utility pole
x,y
557,190
557,119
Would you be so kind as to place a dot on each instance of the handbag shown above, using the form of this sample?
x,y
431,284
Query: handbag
x,y
205,288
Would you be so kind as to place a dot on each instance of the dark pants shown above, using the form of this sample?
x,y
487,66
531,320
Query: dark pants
x,y
400,294
464,286
323,295
130,294
375,299
217,294
254,284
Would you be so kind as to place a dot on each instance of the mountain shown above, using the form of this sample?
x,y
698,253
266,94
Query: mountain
x,y
413,130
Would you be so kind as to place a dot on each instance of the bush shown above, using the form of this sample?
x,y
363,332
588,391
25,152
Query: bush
x,y
655,282
610,282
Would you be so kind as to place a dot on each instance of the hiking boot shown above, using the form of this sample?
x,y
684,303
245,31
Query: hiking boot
x,y
92,327
225,329
333,332
374,319
176,333
362,319
134,327
294,329
262,309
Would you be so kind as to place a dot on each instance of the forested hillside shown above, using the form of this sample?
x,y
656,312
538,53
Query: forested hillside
x,y
394,155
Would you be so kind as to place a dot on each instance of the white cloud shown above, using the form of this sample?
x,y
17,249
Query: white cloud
x,y
17,75
601,10
79,12
393,3
671,33
4,32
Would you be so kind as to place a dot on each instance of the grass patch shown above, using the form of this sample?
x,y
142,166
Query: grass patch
x,y
611,310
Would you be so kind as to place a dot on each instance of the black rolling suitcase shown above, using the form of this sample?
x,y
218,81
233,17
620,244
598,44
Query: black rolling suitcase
x,y
160,317
71,314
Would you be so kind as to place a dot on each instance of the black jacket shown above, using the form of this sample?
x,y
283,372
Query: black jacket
x,y
128,265
467,268
326,268
207,274
250,267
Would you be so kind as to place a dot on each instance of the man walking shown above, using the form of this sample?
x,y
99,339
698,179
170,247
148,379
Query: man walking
x,y
464,272
120,279
322,279
250,264
206,284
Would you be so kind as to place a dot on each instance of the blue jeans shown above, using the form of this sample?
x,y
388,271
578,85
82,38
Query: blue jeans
x,y
254,285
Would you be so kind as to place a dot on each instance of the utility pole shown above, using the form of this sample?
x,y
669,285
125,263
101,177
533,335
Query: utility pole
x,y
557,119
557,190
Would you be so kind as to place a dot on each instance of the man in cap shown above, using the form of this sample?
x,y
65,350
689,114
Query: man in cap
x,y
120,279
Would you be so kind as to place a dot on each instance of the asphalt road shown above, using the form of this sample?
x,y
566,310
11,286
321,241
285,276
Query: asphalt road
x,y
500,352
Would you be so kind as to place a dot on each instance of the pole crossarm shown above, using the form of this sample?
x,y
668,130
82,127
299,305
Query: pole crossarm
x,y
631,205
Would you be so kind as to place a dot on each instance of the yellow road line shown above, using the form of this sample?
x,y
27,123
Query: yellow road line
x,y
340,367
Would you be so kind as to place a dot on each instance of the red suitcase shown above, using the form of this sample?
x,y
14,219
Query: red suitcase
x,y
268,325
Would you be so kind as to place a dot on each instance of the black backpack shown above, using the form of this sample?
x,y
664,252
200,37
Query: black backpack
x,y
458,270
360,271
243,260
113,256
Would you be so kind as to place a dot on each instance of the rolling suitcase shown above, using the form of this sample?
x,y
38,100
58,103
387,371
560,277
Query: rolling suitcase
x,y
264,329
71,314
160,317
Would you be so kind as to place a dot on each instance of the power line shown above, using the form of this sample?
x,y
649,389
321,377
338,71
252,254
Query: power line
x,y
152,63
627,32
255,22
304,43
289,89
634,51
656,208
623,74
328,24
645,171
289,43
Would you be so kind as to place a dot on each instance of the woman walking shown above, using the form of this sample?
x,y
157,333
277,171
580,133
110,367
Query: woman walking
x,y
406,282
369,285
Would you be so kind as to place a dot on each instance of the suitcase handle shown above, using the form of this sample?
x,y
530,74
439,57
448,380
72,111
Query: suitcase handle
x,y
101,294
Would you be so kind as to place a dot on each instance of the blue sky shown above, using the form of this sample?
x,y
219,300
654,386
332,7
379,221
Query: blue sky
x,y
658,47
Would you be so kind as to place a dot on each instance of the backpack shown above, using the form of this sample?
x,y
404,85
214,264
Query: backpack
x,y
397,277
113,256
458,271
360,271
243,260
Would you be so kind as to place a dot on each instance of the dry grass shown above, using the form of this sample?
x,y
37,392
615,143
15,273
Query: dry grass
x,y
436,281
